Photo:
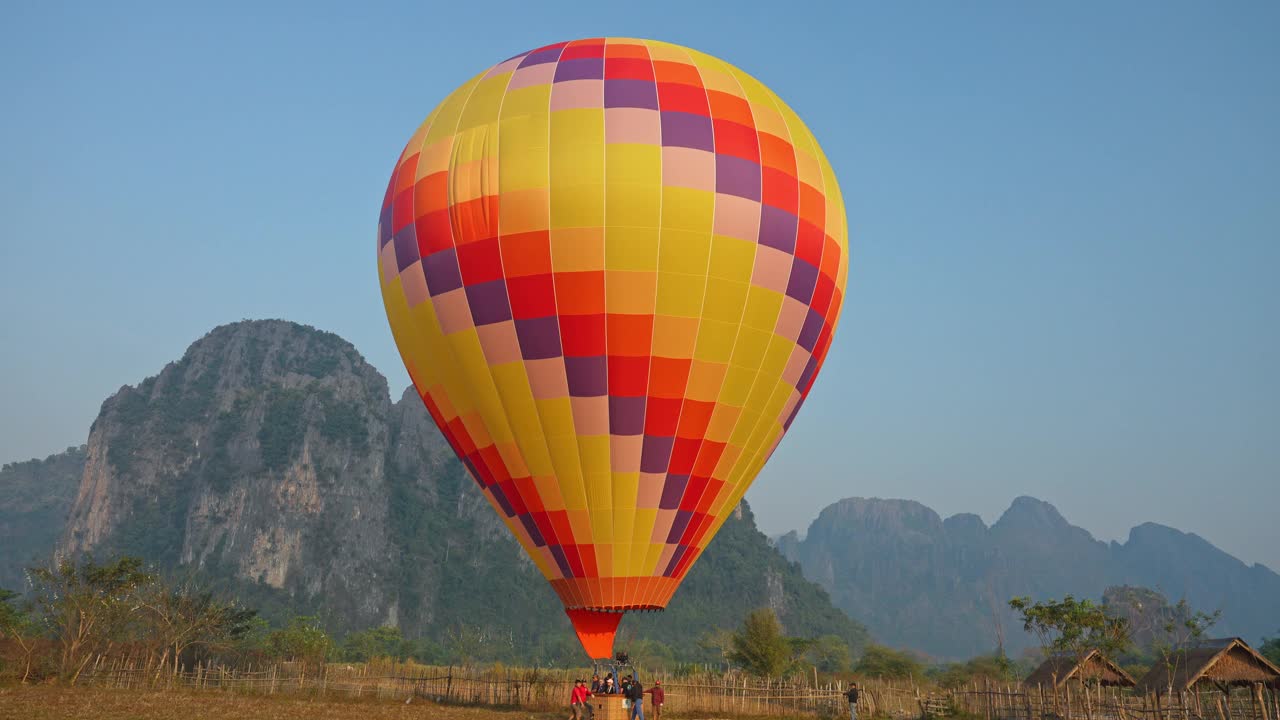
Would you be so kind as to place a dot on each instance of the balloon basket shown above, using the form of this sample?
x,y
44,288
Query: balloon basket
x,y
609,707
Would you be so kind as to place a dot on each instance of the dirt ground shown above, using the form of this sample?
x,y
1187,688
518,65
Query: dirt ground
x,y
54,702
46,702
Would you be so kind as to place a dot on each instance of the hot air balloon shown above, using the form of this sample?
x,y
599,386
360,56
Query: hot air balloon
x,y
613,268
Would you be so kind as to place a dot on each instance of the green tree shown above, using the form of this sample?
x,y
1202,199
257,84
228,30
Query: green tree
x,y
374,643
760,646
1270,649
302,640
996,668
652,655
255,642
1073,627
17,625
830,654
88,606
885,662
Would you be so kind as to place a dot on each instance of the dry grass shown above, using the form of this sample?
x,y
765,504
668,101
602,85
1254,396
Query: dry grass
x,y
54,702
50,702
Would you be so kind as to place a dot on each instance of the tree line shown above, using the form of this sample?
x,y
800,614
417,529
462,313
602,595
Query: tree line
x,y
78,610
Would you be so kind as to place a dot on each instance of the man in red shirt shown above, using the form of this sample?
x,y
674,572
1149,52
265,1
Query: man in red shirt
x,y
578,699
659,697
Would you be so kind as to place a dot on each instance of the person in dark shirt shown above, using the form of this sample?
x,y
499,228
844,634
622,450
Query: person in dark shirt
x,y
635,693
595,684
852,696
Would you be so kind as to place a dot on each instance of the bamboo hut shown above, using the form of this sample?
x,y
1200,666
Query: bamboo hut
x,y
1225,663
1093,668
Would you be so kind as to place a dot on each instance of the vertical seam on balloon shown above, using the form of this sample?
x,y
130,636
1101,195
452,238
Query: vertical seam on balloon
x,y
435,115
684,394
633,578
548,541
701,309
559,342
734,495
453,145
430,121
737,332
604,151
412,328
693,353
573,590
845,255
448,349
760,450
555,302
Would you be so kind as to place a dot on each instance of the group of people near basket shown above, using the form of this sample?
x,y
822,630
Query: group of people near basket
x,y
633,691
629,687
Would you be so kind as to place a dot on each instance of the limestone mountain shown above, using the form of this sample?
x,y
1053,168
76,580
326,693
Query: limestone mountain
x,y
942,586
271,459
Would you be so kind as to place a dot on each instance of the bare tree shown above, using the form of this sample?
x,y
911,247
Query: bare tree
x,y
1180,629
16,624
181,618
88,607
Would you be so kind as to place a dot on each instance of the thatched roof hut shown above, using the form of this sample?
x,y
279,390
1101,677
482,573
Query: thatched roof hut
x,y
1224,662
1058,670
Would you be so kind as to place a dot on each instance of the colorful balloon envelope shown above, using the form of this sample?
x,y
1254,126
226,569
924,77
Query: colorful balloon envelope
x,y
613,268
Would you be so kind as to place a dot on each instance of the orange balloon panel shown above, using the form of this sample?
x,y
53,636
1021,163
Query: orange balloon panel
x,y
613,268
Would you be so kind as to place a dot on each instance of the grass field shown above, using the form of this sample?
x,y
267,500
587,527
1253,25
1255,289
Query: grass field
x,y
48,702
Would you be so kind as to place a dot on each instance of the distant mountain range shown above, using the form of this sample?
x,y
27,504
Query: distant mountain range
x,y
942,586
270,461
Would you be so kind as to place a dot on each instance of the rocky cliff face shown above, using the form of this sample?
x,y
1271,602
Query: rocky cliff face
x,y
35,497
262,453
271,460
942,586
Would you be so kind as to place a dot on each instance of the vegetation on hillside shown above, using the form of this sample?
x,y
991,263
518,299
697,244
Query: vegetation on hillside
x,y
1159,631
35,497
77,610
884,662
1271,649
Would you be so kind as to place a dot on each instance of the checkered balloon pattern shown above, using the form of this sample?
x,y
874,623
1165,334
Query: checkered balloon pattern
x,y
613,268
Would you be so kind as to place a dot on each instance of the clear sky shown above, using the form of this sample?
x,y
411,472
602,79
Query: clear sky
x,y
1065,224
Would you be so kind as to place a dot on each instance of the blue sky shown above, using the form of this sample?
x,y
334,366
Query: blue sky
x,y
1065,225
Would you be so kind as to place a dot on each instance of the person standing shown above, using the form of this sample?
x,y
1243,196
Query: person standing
x,y
852,697
635,693
578,700
659,697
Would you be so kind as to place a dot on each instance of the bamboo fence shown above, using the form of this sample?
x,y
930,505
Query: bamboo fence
x,y
702,694
1079,702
